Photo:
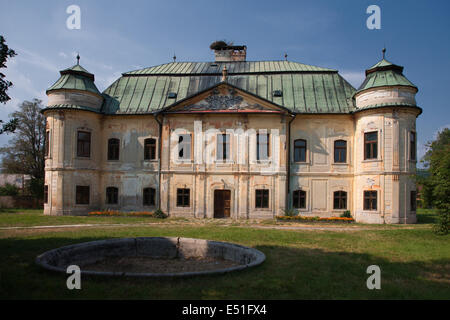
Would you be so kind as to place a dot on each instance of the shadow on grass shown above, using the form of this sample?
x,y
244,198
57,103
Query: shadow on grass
x,y
287,273
425,216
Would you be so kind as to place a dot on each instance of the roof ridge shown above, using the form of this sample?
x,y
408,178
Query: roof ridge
x,y
301,67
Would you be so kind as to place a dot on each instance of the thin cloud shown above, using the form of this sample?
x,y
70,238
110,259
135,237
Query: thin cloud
x,y
355,78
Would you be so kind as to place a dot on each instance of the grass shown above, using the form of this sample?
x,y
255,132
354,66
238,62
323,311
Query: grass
x,y
301,264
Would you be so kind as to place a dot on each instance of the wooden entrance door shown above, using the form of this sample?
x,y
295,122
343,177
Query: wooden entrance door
x,y
222,200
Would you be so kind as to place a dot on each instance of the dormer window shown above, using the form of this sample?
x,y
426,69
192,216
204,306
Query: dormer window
x,y
277,93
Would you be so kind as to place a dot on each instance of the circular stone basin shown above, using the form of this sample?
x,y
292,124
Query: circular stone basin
x,y
152,257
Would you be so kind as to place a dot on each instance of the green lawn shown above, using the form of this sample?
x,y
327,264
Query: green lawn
x,y
301,264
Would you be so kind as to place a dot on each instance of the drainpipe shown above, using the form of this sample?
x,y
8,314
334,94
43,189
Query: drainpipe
x,y
288,162
160,157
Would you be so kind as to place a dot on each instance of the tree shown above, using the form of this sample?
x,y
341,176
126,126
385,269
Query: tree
x,y
437,160
25,151
5,53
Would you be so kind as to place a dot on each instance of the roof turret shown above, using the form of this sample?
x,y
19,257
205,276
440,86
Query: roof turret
x,y
384,73
75,78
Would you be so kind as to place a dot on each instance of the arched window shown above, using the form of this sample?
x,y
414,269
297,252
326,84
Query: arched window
x,y
299,199
113,149
340,151
112,195
149,149
148,198
300,150
340,200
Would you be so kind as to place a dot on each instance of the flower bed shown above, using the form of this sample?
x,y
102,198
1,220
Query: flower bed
x,y
114,213
306,219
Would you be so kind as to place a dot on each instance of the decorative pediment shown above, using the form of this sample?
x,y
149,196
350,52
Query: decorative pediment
x,y
225,98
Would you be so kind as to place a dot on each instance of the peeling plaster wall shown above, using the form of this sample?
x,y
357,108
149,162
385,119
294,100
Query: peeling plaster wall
x,y
320,176
389,174
242,174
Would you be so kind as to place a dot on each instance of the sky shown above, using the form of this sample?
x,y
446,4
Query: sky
x,y
119,36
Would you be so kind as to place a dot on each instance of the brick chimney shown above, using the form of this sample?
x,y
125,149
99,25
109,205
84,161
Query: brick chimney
x,y
231,53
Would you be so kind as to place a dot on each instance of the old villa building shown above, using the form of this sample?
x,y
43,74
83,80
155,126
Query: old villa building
x,y
233,138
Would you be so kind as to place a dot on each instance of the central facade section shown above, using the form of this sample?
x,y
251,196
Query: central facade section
x,y
222,154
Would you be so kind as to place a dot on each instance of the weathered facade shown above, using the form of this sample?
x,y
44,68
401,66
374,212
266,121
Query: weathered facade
x,y
234,138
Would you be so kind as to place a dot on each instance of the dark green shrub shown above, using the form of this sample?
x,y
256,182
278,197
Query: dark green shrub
x,y
9,190
442,225
159,214
346,214
290,212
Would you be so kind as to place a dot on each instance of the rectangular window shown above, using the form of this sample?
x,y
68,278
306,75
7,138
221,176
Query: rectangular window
x,y
82,195
149,149
46,194
413,200
184,146
183,197
113,149
370,145
223,146
149,197
112,195
262,146
340,151
262,198
300,150
340,200
412,146
299,199
47,143
84,144
370,200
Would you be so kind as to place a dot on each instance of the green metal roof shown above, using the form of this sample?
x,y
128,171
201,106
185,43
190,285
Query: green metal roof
x,y
382,63
382,74
73,81
305,89
76,67
70,106
384,78
192,68
388,104
77,78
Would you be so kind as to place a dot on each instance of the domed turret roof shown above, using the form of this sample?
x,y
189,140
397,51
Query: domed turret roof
x,y
384,73
75,78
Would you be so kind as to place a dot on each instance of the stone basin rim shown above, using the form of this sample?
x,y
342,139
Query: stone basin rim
x,y
257,257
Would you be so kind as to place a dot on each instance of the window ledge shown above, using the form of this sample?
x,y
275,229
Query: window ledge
x,y
263,161
372,160
224,162
182,161
340,164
